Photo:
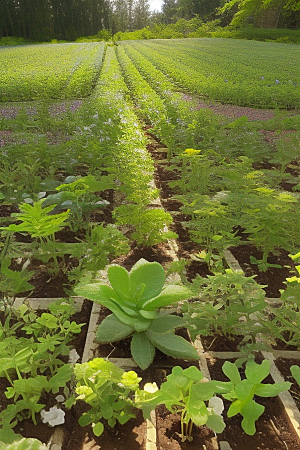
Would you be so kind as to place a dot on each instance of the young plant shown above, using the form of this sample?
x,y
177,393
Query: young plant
x,y
78,195
266,217
284,323
135,299
39,223
230,305
149,224
243,392
108,390
100,246
189,394
33,365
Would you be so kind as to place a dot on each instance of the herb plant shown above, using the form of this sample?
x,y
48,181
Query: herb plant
x,y
108,390
189,394
243,392
135,298
229,304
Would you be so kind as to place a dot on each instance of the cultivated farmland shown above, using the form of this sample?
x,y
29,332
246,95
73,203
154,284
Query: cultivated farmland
x,y
163,158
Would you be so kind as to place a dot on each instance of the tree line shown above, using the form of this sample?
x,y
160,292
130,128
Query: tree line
x,y
44,20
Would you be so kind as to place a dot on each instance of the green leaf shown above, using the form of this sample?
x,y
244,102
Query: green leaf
x,y
193,373
142,350
22,444
200,392
170,294
149,274
251,412
166,323
123,418
8,436
235,408
173,345
198,415
84,420
232,372
119,280
244,389
271,390
295,371
257,372
106,410
112,329
215,423
97,292
222,387
98,429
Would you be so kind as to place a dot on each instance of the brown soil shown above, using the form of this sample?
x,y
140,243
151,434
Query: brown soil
x,y
168,430
131,436
284,368
274,431
273,278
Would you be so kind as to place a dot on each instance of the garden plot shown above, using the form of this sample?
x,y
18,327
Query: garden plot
x,y
97,182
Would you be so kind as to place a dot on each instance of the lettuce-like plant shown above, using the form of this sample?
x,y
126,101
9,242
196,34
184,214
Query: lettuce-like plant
x,y
243,392
188,393
135,299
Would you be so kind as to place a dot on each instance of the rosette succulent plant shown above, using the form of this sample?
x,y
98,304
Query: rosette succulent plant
x,y
135,299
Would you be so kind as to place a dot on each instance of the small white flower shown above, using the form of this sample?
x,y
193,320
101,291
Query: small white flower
x,y
60,398
216,405
53,417
151,387
73,356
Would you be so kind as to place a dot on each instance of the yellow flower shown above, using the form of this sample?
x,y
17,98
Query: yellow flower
x,y
191,151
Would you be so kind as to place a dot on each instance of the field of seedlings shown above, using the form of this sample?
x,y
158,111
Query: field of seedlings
x,y
149,246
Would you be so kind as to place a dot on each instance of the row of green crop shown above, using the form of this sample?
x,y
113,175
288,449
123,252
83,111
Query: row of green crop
x,y
218,186
49,71
238,72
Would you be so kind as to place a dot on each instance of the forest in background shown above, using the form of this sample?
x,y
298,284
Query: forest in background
x,y
46,20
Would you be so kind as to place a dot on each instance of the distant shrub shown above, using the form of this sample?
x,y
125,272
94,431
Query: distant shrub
x,y
12,40
260,34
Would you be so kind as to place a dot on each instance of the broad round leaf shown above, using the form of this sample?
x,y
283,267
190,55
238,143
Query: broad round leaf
x,y
147,279
216,423
119,280
98,429
232,372
257,372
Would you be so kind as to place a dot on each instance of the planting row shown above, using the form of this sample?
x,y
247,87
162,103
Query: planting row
x,y
96,183
49,71
238,72
113,396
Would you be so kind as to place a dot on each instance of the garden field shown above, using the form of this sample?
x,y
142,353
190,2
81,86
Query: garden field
x,y
155,185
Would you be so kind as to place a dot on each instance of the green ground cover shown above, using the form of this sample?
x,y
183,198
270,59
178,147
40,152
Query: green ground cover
x,y
231,71
49,71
